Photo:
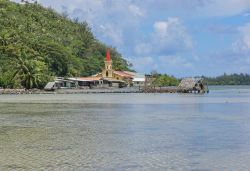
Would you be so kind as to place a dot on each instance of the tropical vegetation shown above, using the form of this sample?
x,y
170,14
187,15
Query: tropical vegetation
x,y
225,79
37,43
229,79
161,80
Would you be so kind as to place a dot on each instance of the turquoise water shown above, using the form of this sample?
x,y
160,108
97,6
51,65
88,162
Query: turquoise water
x,y
126,131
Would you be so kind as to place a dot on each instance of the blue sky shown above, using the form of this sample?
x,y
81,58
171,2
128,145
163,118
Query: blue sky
x,y
177,37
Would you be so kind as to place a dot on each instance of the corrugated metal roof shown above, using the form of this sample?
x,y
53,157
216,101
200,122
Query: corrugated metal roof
x,y
139,79
49,86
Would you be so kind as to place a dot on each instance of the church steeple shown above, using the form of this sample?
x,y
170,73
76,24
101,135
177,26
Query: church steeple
x,y
108,55
108,71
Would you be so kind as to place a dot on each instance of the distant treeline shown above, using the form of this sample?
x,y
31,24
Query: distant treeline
x,y
226,79
229,79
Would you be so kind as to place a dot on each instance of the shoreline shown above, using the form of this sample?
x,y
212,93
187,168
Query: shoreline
x,y
100,91
22,91
66,91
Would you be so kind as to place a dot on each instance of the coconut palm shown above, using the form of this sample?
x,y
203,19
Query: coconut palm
x,y
29,71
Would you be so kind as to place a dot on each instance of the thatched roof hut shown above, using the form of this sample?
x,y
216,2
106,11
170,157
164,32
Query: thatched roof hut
x,y
189,85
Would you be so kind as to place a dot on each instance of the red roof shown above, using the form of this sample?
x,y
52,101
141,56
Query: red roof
x,y
123,74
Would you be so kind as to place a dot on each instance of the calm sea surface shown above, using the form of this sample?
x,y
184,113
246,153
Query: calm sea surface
x,y
126,131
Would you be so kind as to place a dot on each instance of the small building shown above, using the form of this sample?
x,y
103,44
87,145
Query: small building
x,y
139,80
189,85
115,83
89,82
60,83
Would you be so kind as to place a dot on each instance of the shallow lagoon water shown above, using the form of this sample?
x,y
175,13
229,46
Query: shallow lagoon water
x,y
126,131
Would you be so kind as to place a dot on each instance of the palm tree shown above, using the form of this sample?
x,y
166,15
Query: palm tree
x,y
29,71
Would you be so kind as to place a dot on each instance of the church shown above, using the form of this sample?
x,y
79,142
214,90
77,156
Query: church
x,y
115,78
105,79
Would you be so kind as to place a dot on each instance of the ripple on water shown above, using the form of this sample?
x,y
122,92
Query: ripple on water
x,y
126,135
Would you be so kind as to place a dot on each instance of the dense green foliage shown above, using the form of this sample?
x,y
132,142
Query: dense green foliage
x,y
232,79
162,80
37,43
226,79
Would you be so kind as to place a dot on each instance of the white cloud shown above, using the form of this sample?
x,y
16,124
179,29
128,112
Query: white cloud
x,y
245,31
172,32
135,10
241,48
115,35
171,64
175,61
168,36
143,48
144,64
224,7
110,21
161,28
176,4
138,8
198,8
242,45
236,58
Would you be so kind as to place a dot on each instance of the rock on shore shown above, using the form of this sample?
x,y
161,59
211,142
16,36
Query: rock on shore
x,y
20,91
